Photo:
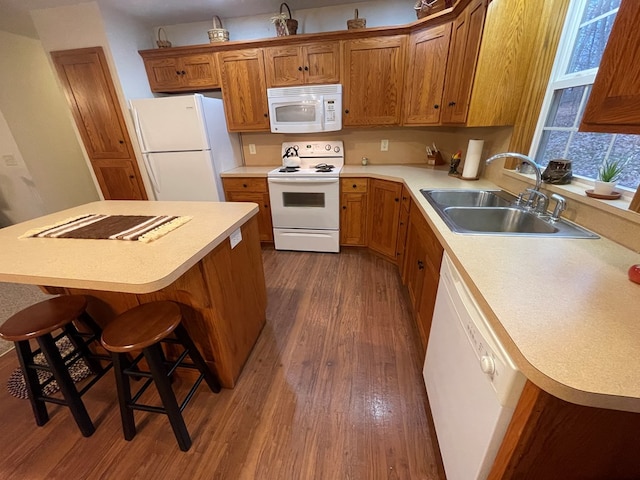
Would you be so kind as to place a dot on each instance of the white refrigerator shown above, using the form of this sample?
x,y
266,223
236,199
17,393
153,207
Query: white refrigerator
x,y
185,146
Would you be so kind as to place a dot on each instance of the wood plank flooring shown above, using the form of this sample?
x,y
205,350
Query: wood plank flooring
x,y
332,390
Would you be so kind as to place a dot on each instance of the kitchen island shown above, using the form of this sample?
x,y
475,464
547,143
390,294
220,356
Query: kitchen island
x,y
212,264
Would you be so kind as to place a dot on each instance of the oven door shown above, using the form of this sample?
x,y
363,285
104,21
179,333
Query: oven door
x,y
305,203
304,114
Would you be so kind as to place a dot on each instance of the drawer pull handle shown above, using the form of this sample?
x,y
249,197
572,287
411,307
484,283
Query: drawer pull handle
x,y
420,265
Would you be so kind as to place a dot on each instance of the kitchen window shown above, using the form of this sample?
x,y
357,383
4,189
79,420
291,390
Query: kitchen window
x,y
584,37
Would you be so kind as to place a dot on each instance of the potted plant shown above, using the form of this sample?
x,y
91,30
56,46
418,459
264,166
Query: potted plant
x,y
608,176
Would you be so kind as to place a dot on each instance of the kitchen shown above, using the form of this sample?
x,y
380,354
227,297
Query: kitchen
x,y
468,260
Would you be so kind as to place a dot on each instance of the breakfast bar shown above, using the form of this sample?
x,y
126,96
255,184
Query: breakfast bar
x,y
211,264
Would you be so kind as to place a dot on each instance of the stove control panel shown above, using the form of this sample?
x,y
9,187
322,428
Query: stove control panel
x,y
324,149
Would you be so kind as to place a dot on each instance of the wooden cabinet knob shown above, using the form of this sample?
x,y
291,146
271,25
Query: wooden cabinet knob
x,y
420,265
397,199
344,207
355,186
306,69
299,69
183,72
436,106
346,111
244,185
452,104
177,72
121,142
266,115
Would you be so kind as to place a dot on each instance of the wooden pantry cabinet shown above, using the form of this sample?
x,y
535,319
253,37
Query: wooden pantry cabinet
x,y
256,190
353,211
180,72
373,80
312,63
427,62
244,89
91,95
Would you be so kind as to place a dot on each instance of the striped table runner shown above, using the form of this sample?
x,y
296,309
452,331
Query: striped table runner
x,y
112,227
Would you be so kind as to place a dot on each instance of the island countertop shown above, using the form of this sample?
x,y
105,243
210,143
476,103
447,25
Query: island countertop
x,y
117,265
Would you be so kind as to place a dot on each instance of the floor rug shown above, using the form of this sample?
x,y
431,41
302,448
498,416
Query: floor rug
x,y
79,371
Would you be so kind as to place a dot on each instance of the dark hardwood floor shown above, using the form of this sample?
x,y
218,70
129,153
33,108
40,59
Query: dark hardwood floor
x,y
333,390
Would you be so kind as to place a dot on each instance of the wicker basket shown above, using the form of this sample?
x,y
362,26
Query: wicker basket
x,y
218,33
356,22
163,41
428,7
287,27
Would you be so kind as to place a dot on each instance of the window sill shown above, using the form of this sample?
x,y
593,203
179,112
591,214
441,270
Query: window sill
x,y
576,193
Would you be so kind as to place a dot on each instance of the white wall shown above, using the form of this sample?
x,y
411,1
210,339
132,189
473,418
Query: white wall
x,y
312,20
38,132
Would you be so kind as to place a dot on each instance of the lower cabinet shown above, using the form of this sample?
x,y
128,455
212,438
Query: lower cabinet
x,y
252,190
119,179
384,212
421,271
353,211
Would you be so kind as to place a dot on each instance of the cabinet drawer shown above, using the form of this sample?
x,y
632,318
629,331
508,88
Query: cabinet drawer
x,y
245,184
355,185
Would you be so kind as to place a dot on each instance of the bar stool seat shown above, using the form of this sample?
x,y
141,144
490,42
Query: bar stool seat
x,y
38,322
145,328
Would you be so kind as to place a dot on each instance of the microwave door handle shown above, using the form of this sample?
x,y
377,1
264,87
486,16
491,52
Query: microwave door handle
x,y
322,112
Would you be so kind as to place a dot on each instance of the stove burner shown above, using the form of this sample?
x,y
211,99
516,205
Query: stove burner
x,y
324,168
289,169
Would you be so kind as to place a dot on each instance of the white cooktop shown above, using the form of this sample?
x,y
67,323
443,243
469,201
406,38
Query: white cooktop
x,y
306,159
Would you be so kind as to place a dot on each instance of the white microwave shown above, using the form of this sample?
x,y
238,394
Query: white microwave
x,y
312,108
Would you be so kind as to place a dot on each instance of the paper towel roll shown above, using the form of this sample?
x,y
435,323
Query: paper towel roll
x,y
472,160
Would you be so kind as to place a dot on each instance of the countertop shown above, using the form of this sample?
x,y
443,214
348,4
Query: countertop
x,y
563,308
117,265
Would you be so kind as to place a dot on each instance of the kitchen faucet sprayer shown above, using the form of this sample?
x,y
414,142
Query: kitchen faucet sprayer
x,y
523,159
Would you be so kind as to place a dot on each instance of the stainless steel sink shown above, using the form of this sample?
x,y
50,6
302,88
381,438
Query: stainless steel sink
x,y
494,212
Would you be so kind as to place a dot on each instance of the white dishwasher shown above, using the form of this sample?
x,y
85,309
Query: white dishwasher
x,y
472,384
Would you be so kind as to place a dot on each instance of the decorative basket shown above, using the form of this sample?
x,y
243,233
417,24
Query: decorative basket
x,y
284,25
218,33
427,7
163,41
356,22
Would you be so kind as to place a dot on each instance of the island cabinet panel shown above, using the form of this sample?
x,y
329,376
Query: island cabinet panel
x,y
463,54
421,271
353,211
384,212
224,302
614,103
313,63
550,438
252,190
427,62
373,80
178,73
244,90
91,95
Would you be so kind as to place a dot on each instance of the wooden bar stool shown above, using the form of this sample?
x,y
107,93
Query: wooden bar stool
x,y
144,328
38,322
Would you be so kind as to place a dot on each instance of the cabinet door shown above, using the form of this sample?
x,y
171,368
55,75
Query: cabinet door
x,y
244,90
428,54
264,215
164,74
614,103
118,179
199,71
384,212
321,62
283,66
353,214
91,95
465,44
373,77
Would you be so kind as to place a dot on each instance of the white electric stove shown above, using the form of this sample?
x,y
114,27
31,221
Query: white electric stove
x,y
305,196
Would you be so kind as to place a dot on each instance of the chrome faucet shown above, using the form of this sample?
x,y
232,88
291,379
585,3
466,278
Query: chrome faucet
x,y
523,159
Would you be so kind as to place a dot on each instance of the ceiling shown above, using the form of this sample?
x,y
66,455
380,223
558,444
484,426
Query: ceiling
x,y
15,18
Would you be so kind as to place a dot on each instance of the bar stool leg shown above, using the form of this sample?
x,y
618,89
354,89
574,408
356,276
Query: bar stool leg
x,y
65,382
155,358
78,342
25,357
194,353
123,385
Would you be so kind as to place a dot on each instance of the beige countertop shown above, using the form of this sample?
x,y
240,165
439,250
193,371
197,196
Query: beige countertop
x,y
563,308
117,265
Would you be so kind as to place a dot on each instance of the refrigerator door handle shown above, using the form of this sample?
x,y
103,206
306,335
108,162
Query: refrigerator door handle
x,y
136,123
152,174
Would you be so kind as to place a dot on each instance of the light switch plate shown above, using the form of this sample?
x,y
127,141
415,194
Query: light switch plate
x,y
252,148
235,238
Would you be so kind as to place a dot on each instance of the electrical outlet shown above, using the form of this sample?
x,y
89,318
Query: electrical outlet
x,y
384,145
252,148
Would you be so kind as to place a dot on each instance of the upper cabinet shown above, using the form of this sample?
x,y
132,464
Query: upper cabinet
x,y
427,61
614,103
180,73
244,90
373,80
463,54
313,63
